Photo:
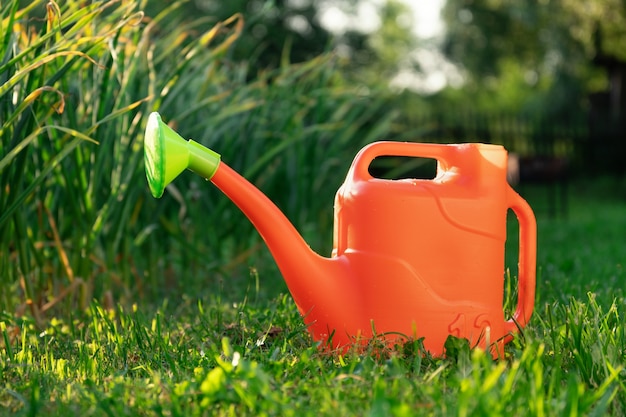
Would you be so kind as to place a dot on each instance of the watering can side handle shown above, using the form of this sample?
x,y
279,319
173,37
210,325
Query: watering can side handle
x,y
359,169
527,262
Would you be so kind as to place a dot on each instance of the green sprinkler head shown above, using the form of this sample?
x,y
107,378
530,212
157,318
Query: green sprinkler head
x,y
167,154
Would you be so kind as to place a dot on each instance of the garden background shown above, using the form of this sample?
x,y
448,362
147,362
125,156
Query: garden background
x,y
113,303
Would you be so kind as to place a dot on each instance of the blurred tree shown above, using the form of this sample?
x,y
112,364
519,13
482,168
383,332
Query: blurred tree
x,y
545,47
376,57
292,30
274,29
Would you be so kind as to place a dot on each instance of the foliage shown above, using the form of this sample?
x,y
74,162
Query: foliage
x,y
276,31
280,31
374,58
540,49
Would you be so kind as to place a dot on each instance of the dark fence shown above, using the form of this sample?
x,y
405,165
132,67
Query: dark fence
x,y
589,142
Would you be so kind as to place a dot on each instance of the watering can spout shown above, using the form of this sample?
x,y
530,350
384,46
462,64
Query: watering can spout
x,y
307,274
166,155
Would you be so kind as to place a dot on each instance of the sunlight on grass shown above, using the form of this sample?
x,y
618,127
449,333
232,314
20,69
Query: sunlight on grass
x,y
221,360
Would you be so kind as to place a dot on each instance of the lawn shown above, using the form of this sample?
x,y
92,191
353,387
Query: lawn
x,y
212,355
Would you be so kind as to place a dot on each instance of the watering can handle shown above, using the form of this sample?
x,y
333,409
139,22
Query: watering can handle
x,y
362,161
527,263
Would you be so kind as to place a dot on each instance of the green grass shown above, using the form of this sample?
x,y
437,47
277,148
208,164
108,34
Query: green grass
x,y
212,355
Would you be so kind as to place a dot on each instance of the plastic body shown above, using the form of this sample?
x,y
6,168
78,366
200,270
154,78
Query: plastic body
x,y
414,258
411,258
429,254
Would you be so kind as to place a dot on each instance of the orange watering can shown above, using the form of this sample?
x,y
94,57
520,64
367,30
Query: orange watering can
x,y
411,258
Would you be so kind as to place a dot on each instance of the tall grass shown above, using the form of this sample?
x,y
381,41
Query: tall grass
x,y
49,210
76,220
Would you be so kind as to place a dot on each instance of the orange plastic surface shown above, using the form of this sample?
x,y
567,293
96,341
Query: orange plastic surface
x,y
419,258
